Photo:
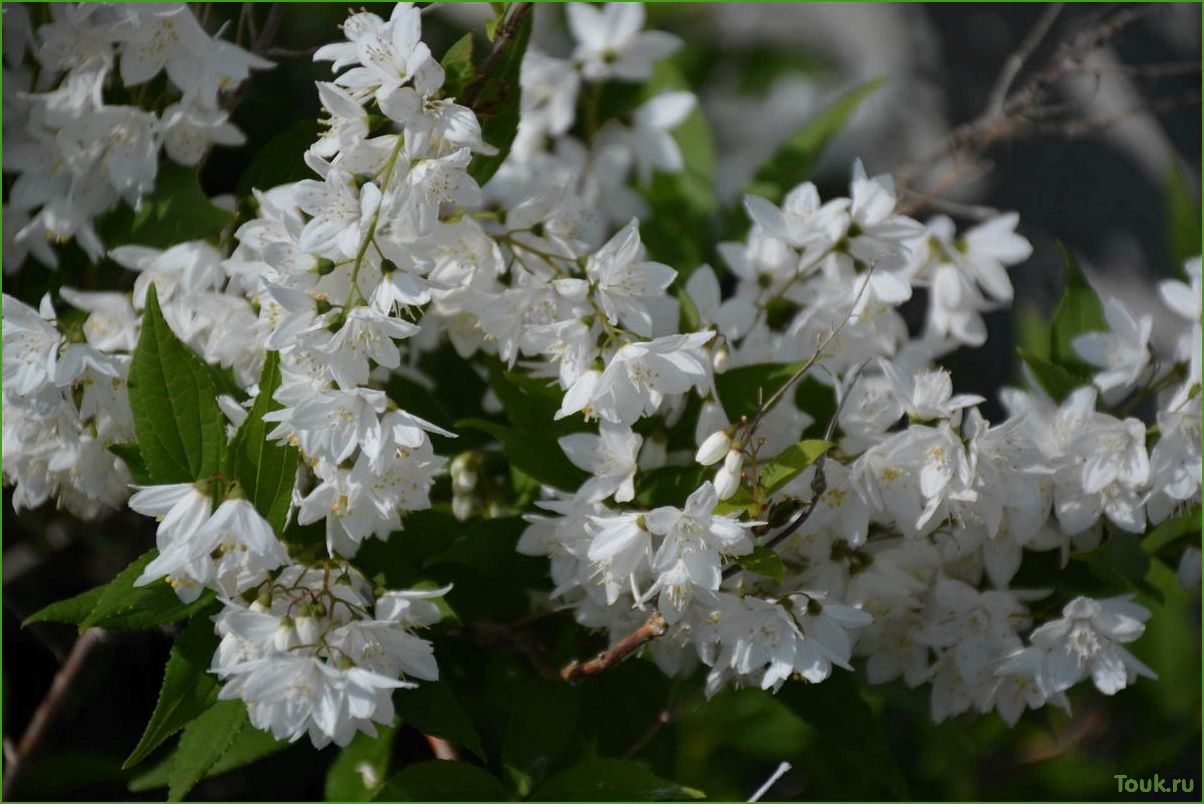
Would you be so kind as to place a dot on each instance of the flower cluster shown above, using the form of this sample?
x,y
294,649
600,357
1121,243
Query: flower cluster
x,y
85,119
899,547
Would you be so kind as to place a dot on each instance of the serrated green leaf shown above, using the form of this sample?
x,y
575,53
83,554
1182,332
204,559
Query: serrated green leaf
x,y
121,605
176,211
181,430
74,610
131,456
536,453
1057,381
281,160
611,780
763,561
361,768
202,745
265,469
496,97
443,780
790,463
250,745
188,688
433,709
540,728
1079,312
795,159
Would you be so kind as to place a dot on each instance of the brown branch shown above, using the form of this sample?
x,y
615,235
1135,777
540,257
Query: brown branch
x,y
505,32
653,627
1019,57
49,707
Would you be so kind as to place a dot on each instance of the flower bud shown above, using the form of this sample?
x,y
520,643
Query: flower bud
x,y
717,444
285,636
728,478
309,629
720,359
461,507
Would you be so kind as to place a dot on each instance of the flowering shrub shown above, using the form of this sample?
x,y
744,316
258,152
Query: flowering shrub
x,y
483,324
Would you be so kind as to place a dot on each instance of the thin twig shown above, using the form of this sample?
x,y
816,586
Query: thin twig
x,y
1019,57
653,627
44,715
506,31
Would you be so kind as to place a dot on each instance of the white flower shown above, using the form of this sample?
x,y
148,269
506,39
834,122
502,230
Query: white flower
x,y
366,334
727,479
31,344
926,394
610,43
624,283
651,142
332,423
1184,300
245,546
1084,642
638,378
1123,353
610,457
181,508
188,131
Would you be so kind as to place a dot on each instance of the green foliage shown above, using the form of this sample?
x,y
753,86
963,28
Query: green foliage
x,y
131,456
188,688
495,95
433,709
177,210
668,485
119,605
281,159
789,464
266,470
852,754
1055,380
610,780
538,732
763,561
202,745
795,159
1184,209
442,780
1078,312
360,769
458,66
181,430
536,453
249,745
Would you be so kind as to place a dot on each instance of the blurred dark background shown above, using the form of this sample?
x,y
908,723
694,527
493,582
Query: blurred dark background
x,y
767,68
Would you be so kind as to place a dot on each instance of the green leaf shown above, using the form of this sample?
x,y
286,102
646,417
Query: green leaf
x,y
541,726
1171,531
1120,562
188,688
131,456
496,98
443,780
1057,381
281,160
668,485
204,742
531,403
853,751
121,605
360,769
610,780
433,709
174,212
790,463
73,610
1079,311
795,160
266,470
535,453
250,745
458,68
1184,210
763,561
181,430
683,206
741,390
